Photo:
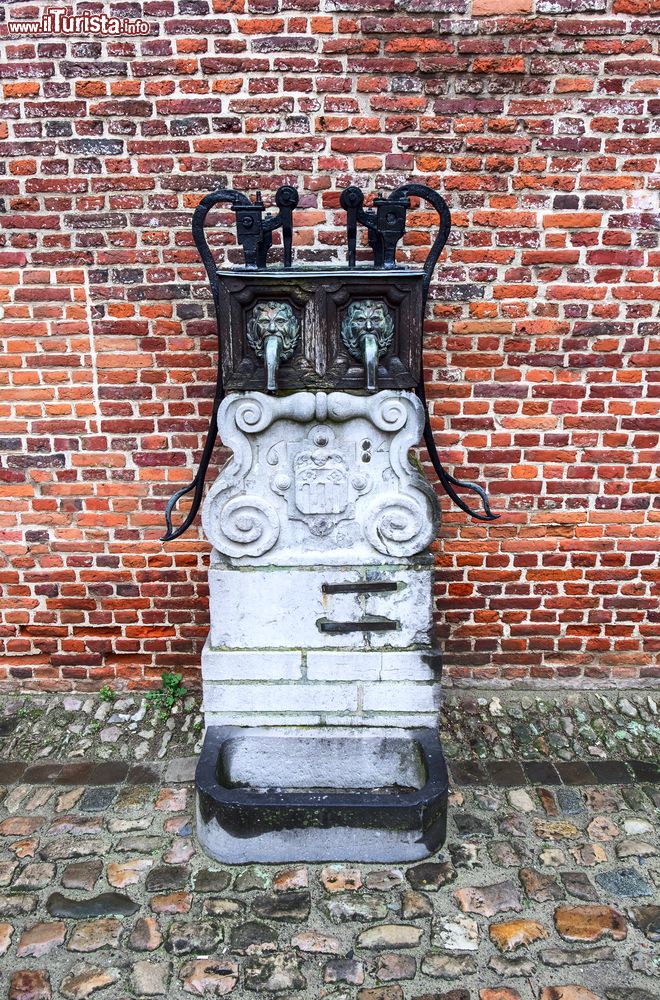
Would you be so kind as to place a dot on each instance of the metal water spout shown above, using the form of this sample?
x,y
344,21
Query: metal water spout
x,y
370,353
272,358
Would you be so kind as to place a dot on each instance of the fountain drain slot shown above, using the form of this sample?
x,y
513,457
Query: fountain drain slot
x,y
374,624
377,587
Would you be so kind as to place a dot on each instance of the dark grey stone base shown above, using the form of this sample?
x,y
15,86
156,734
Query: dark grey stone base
x,y
277,794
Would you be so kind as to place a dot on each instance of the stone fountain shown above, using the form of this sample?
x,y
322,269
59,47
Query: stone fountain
x,y
321,680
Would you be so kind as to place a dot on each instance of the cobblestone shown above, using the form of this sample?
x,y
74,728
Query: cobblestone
x,y
431,875
589,923
487,900
512,934
389,936
88,979
647,918
29,984
143,912
40,939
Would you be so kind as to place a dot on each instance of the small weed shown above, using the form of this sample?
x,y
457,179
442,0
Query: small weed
x,y
167,696
197,726
94,726
107,694
30,712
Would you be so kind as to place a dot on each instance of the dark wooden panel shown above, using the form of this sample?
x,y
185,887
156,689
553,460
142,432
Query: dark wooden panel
x,y
319,299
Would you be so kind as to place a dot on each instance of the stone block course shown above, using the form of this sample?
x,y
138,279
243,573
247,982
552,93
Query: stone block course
x,y
295,698
251,665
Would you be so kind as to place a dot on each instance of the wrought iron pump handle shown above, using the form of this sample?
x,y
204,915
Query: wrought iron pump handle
x,y
386,225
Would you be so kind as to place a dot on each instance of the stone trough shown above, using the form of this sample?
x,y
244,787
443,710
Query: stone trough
x,y
303,794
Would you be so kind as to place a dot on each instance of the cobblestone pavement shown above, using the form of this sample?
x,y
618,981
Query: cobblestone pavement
x,y
547,890
505,725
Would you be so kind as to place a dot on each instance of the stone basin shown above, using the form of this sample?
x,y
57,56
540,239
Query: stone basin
x,y
274,794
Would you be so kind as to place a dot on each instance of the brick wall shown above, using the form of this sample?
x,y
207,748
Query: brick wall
x,y
535,118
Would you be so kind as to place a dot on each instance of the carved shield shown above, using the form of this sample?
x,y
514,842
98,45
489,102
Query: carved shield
x,y
320,482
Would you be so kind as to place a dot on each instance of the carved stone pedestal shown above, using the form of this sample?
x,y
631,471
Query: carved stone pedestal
x,y
321,616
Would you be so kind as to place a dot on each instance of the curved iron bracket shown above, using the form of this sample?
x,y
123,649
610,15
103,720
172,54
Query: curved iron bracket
x,y
446,480
232,198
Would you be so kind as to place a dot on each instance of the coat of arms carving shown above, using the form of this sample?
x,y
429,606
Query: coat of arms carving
x,y
320,482
322,487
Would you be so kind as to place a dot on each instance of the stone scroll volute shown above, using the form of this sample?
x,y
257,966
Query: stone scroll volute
x,y
322,477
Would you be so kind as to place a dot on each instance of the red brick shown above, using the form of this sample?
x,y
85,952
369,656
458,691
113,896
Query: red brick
x,y
641,7
498,8
499,64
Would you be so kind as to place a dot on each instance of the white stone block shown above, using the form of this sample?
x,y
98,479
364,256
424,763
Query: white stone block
x,y
410,665
338,665
269,698
273,687
400,697
283,607
261,719
415,720
250,665
402,665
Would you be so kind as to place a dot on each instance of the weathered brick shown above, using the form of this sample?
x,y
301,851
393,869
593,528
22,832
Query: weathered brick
x,y
482,8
